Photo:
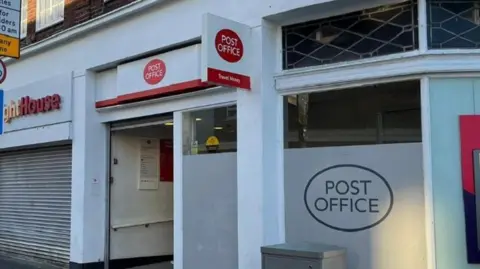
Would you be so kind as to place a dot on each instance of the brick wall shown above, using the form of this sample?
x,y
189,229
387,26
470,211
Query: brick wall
x,y
76,12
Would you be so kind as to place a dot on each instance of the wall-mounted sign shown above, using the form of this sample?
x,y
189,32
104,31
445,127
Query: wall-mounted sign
x,y
10,11
154,71
149,164
3,71
30,106
348,189
166,160
226,52
470,165
229,45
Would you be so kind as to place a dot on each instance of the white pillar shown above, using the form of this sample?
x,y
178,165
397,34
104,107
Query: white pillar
x,y
181,138
89,174
260,154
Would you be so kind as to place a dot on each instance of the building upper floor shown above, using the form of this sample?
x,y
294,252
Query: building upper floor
x,y
41,19
100,34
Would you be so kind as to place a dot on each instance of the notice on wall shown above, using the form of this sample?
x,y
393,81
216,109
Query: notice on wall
x,y
10,28
166,160
149,164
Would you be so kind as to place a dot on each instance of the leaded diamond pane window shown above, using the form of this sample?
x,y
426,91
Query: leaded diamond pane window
x,y
353,36
453,24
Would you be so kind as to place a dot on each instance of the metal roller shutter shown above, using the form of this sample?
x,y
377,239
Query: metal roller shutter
x,y
35,198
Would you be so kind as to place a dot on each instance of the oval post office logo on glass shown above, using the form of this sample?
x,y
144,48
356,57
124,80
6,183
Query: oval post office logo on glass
x,y
348,197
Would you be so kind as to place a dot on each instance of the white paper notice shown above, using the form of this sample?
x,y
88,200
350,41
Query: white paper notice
x,y
149,164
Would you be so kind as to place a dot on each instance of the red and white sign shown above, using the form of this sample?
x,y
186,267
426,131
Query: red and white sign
x,y
226,52
157,72
229,45
3,71
154,71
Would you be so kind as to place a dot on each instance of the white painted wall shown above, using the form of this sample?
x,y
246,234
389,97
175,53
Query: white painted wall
x,y
89,174
260,148
130,206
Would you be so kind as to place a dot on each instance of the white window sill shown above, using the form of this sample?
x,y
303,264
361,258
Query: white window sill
x,y
38,28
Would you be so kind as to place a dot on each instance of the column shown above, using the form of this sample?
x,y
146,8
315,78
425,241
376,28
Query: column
x,y
260,154
89,176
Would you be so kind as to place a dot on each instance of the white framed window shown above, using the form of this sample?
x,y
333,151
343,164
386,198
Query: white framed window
x,y
49,12
24,19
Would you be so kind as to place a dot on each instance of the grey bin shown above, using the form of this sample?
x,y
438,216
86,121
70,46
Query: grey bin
x,y
303,255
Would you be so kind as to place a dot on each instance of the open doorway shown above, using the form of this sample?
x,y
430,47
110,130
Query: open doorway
x,y
141,193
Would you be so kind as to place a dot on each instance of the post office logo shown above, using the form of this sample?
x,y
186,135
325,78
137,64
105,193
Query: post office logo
x,y
348,197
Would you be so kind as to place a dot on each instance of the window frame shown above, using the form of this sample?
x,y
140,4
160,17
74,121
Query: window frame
x,y
353,18
40,27
24,8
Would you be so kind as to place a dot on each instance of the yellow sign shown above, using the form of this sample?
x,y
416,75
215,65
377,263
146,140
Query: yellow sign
x,y
212,141
9,46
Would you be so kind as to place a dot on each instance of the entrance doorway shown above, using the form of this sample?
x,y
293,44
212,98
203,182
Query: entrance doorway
x,y
141,193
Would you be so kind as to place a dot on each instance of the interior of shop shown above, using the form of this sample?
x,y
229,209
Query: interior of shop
x,y
141,193
374,114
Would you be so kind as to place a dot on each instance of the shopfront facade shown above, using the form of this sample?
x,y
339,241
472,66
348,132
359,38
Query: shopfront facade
x,y
346,134
36,173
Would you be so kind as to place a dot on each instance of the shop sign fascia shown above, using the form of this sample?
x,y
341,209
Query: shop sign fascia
x,y
226,52
222,59
44,102
27,106
159,76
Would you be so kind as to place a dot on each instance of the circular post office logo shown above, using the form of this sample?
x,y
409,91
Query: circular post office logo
x,y
348,197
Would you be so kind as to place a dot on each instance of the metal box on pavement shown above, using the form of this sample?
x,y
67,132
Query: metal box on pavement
x,y
303,255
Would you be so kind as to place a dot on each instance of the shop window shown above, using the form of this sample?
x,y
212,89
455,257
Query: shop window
x,y
210,131
49,12
353,36
376,114
453,24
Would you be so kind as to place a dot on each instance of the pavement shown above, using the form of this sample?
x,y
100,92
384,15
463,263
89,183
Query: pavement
x,y
7,263
163,265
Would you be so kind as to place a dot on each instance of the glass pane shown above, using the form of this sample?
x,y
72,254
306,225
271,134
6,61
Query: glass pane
x,y
357,35
384,113
24,18
210,131
453,24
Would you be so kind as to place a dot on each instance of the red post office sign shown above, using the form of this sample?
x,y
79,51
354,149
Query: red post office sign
x,y
226,52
